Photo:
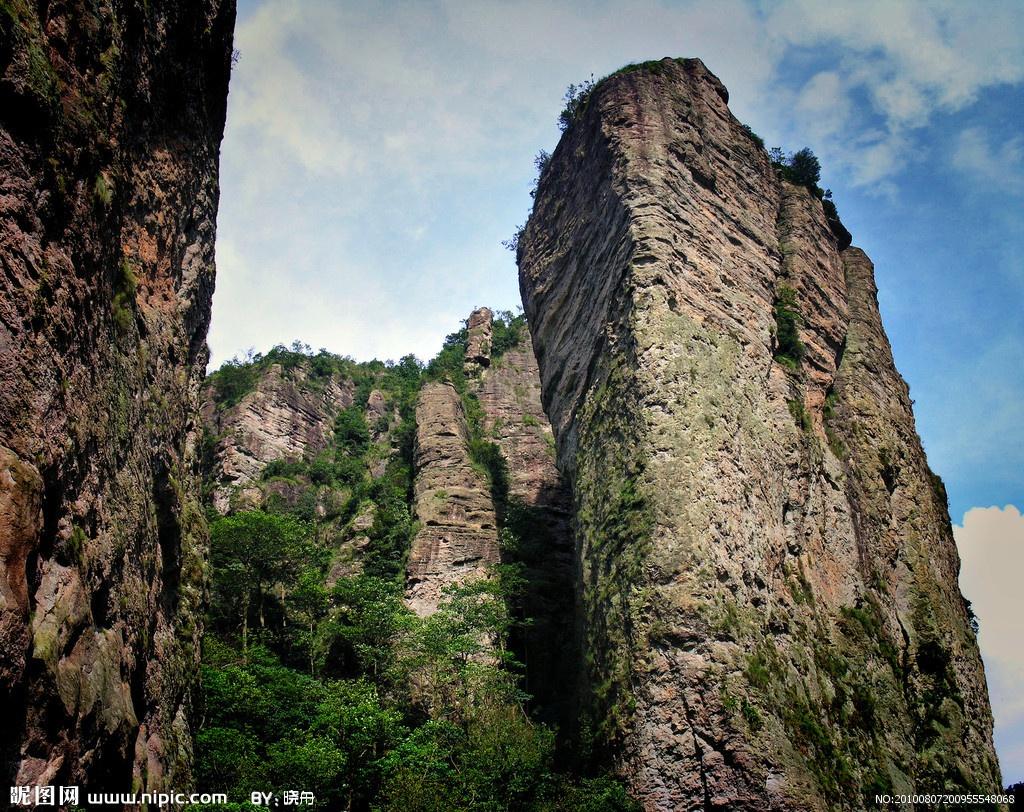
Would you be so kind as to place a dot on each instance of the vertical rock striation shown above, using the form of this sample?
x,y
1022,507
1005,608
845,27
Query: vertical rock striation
x,y
767,577
478,340
458,539
288,415
110,126
534,506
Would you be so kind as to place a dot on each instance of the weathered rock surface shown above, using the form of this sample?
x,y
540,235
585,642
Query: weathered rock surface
x,y
536,509
110,125
767,578
289,415
458,539
478,344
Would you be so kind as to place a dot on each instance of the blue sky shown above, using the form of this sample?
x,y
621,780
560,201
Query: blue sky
x,y
376,155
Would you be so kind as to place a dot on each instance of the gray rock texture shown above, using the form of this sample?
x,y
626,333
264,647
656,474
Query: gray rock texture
x,y
769,610
289,415
458,538
110,126
478,345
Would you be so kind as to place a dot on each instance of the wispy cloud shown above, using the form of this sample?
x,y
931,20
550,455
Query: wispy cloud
x,y
910,61
991,545
1000,166
403,136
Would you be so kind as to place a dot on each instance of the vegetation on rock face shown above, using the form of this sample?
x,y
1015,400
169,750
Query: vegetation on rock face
x,y
804,169
332,685
576,98
789,350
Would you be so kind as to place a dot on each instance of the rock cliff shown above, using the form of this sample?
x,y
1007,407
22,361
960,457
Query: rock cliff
x,y
534,508
110,126
458,537
288,415
769,609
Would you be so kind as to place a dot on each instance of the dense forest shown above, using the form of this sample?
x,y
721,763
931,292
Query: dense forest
x,y
318,679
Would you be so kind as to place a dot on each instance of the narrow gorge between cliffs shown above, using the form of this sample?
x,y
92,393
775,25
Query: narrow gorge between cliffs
x,y
665,538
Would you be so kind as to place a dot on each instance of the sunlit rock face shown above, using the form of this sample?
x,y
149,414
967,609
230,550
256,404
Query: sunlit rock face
x,y
288,415
767,589
458,538
110,127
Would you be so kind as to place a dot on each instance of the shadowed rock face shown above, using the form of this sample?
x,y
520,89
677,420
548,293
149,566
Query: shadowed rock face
x,y
536,510
110,125
767,576
458,539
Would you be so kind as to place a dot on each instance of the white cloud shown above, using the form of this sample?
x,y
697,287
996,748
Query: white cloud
x,y
1000,166
370,148
991,545
911,60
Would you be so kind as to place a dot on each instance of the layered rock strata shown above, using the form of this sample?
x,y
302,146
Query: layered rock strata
x,y
478,340
767,577
287,416
458,539
535,508
110,126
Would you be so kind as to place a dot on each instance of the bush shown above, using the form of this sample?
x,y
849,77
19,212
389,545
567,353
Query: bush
x,y
804,169
506,332
575,98
232,382
789,350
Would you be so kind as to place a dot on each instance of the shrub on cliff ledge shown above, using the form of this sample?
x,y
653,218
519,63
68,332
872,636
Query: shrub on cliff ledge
x,y
789,350
576,98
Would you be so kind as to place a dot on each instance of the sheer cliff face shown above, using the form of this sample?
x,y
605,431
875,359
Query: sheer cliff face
x,y
767,588
110,125
287,416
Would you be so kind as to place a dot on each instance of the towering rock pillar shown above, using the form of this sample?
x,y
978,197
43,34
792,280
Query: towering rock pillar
x,y
478,344
458,539
110,124
767,577
535,508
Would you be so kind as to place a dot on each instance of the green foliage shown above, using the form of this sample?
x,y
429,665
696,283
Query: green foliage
x,y
253,552
102,191
541,162
800,414
757,672
351,434
271,726
972,618
754,136
447,364
829,764
801,168
751,715
789,350
393,527
126,285
368,616
512,243
232,382
506,332
576,98
804,169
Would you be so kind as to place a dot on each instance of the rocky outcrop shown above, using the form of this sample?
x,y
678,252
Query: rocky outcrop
x,y
289,415
535,508
767,578
110,125
458,539
478,340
